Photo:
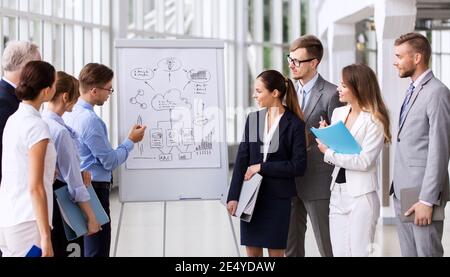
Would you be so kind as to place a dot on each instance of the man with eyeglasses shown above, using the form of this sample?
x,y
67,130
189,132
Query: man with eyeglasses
x,y
97,155
317,98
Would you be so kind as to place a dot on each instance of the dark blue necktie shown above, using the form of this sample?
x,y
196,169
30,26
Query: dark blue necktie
x,y
404,108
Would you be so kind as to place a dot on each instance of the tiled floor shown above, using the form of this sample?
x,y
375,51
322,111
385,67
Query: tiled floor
x,y
202,228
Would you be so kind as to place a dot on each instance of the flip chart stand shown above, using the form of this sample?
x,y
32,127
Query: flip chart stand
x,y
165,230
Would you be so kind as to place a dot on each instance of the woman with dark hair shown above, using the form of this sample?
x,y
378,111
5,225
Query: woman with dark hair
x,y
68,162
354,203
274,145
26,194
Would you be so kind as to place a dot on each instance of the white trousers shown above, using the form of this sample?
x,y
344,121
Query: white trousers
x,y
17,240
352,222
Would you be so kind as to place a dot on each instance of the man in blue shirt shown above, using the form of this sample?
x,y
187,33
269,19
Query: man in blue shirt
x,y
97,155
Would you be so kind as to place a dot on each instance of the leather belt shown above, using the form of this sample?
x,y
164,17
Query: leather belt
x,y
101,185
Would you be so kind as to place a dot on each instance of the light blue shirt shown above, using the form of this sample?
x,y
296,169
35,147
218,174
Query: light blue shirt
x,y
97,155
307,88
67,160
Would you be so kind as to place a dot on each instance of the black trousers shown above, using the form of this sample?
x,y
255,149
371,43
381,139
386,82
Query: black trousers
x,y
98,245
61,246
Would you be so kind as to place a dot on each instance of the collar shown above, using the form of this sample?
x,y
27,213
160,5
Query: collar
x,y
28,109
52,115
9,82
84,104
420,78
308,86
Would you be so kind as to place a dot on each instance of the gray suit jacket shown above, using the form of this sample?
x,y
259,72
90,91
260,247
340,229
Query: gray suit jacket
x,y
423,143
315,184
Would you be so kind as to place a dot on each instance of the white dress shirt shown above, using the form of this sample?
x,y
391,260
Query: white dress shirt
x,y
307,90
23,130
268,134
9,82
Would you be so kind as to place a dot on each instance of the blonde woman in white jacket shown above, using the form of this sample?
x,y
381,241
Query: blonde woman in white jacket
x,y
354,203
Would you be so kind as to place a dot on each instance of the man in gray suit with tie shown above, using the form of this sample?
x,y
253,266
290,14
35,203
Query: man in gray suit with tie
x,y
423,148
318,98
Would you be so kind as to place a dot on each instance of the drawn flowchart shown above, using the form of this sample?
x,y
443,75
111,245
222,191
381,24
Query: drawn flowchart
x,y
176,97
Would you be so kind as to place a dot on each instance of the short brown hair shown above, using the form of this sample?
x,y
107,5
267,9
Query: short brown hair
x,y
418,42
311,43
66,83
93,75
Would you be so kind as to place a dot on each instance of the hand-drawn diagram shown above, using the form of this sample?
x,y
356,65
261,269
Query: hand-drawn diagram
x,y
175,103
170,65
199,79
135,101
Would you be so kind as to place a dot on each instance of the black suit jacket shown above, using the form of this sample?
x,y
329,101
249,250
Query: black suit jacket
x,y
285,161
8,105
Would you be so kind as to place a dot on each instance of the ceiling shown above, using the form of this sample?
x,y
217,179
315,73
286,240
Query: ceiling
x,y
433,9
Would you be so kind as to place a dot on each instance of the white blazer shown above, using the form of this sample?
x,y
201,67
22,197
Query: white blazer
x,y
361,169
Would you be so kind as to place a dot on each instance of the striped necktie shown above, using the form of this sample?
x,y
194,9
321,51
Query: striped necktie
x,y
303,96
404,108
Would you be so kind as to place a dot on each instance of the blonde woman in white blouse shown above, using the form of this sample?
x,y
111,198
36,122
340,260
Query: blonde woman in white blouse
x,y
354,202
29,159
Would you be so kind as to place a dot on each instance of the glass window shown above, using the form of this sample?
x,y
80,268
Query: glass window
x,y
78,49
88,10
69,9
58,8
10,4
35,6
105,10
58,53
47,43
445,69
97,42
436,64
68,49
23,29
267,57
47,9
96,12
23,5
445,41
9,29
131,13
87,46
105,48
78,10
286,18
35,32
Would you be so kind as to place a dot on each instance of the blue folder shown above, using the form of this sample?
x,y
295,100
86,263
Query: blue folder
x,y
337,138
35,252
74,220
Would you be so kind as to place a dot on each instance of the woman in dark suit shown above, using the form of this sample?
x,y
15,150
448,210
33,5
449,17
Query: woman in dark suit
x,y
274,145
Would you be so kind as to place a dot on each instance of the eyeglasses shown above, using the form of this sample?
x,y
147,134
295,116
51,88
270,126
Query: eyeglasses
x,y
296,62
110,90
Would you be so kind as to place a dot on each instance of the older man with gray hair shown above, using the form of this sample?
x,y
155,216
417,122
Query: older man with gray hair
x,y
16,55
